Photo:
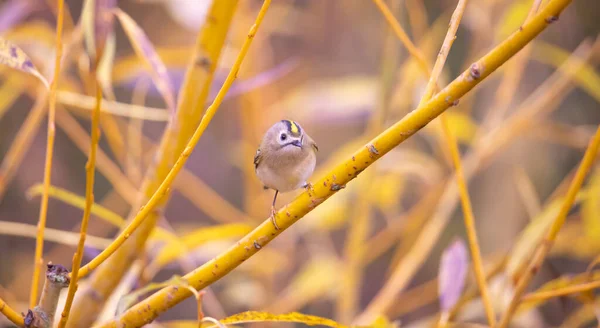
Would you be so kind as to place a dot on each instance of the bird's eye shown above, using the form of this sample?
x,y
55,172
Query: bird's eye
x,y
283,137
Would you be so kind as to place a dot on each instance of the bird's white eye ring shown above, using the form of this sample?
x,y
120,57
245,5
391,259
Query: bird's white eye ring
x,y
283,136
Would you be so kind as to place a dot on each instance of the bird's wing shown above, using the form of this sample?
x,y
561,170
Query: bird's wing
x,y
311,142
314,145
257,158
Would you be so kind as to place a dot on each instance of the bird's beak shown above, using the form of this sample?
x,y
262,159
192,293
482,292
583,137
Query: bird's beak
x,y
297,143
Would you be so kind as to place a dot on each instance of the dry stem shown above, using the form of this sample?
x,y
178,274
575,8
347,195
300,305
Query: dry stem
x,y
11,314
542,296
89,201
39,247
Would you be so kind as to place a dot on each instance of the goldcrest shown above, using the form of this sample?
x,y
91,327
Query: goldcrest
x,y
285,159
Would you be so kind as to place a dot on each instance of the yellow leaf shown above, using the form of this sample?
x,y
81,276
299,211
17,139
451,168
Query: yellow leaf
x,y
339,98
10,91
315,280
113,107
100,211
129,67
37,31
12,56
380,322
257,316
144,49
388,192
587,78
172,250
513,18
574,243
461,125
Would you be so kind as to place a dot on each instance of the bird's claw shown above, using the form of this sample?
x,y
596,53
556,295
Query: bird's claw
x,y
273,219
308,186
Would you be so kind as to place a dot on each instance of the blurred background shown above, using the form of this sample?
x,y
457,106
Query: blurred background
x,y
337,69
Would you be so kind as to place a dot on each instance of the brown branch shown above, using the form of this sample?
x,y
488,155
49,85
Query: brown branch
x,y
42,316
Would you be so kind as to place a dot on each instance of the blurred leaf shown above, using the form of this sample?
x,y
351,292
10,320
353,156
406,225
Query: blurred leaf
x,y
10,91
97,21
130,67
333,100
380,322
97,210
317,279
575,243
116,108
198,237
330,215
12,12
389,191
104,72
462,126
144,49
513,18
587,78
452,275
126,301
590,208
34,32
532,235
12,56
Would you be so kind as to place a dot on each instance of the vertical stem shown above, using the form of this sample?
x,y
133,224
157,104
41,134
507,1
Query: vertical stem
x,y
89,201
39,245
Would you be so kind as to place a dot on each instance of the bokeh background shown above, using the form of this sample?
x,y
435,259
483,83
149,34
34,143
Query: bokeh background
x,y
337,69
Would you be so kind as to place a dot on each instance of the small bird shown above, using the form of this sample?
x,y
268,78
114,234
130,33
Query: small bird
x,y
285,159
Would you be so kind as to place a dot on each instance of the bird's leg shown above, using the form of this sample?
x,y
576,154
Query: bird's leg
x,y
273,211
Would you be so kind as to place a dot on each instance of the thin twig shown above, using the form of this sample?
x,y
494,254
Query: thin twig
x,y
546,244
90,168
39,245
542,296
11,314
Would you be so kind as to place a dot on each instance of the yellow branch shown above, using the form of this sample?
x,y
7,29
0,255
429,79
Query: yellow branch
x,y
546,244
39,245
335,180
460,177
542,296
87,210
13,316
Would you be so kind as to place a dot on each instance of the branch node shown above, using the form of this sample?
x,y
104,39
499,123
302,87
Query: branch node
x,y
475,71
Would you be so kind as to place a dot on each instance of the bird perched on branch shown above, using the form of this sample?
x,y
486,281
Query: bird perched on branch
x,y
285,159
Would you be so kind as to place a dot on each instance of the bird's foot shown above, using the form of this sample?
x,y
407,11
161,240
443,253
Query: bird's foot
x,y
308,186
273,218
